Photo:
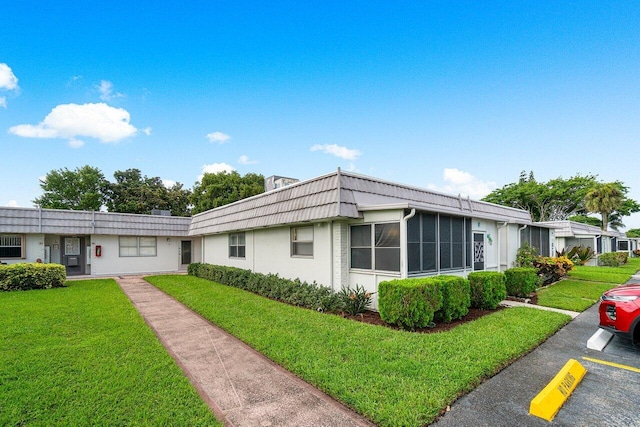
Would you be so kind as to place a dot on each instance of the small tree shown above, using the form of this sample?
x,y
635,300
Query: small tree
x,y
80,189
604,199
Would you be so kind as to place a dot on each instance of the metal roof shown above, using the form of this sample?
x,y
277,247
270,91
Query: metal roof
x,y
341,195
571,229
57,221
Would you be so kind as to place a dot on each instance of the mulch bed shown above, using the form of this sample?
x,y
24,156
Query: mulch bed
x,y
373,318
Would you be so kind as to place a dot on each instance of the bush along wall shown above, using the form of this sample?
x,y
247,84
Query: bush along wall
x,y
295,292
456,298
409,303
26,276
488,289
521,281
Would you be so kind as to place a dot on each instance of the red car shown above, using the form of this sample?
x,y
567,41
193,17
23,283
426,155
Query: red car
x,y
620,311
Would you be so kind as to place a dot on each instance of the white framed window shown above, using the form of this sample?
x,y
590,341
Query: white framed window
x,y
302,241
376,246
133,246
237,245
12,246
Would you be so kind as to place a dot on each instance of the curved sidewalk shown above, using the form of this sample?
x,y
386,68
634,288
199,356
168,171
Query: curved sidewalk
x,y
243,387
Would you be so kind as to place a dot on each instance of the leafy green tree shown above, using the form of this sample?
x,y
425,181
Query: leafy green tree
x,y
80,189
134,193
604,199
555,200
585,219
633,232
222,188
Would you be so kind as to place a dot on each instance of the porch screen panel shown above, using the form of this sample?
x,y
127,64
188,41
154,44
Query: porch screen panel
x,y
413,244
457,242
445,242
468,242
429,248
544,242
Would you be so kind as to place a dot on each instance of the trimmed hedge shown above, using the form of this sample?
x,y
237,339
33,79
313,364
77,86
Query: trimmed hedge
x,y
294,292
488,289
613,259
25,276
521,281
409,303
456,298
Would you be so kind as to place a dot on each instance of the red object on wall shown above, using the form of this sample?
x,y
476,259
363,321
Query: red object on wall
x,y
98,250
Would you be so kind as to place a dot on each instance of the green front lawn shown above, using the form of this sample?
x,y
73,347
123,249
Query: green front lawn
x,y
392,377
574,295
585,286
82,355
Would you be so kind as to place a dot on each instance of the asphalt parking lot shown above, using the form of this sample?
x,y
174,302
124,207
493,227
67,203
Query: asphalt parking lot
x,y
607,396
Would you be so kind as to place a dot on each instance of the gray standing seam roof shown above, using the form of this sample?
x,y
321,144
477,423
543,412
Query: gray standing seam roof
x,y
340,195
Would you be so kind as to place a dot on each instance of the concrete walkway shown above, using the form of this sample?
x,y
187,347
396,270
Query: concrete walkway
x,y
242,387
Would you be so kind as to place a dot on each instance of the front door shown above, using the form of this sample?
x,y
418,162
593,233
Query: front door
x,y
73,255
478,251
185,252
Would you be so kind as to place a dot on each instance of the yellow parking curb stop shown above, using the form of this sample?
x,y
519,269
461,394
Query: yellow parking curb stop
x,y
548,402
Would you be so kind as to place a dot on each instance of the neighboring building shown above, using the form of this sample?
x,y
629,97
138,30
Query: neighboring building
x,y
97,243
570,234
340,229
274,182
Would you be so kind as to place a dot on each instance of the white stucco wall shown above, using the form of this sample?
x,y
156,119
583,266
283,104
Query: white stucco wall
x,y
166,260
269,251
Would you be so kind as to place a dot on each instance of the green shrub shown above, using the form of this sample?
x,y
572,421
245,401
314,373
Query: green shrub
x,y
355,301
409,303
526,255
25,276
294,292
487,289
456,298
521,281
613,259
552,269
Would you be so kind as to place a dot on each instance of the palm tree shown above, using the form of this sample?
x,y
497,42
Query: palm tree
x,y
604,199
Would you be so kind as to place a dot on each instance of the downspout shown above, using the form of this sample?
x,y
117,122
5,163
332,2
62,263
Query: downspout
x,y
403,248
504,224
595,242
519,232
331,256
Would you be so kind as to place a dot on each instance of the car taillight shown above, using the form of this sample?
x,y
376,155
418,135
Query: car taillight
x,y
611,312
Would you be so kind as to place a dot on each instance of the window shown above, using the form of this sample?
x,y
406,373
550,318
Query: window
x,y
361,254
138,246
376,245
623,245
302,241
236,245
12,246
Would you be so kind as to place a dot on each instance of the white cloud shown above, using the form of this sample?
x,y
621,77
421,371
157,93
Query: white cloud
x,y
147,131
68,121
168,183
106,91
8,80
12,204
338,151
460,182
244,160
215,168
218,137
75,143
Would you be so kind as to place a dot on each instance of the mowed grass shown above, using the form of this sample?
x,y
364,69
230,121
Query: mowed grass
x,y
585,286
574,295
82,355
394,378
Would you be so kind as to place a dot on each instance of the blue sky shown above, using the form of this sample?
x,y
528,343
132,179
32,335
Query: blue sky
x,y
455,96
